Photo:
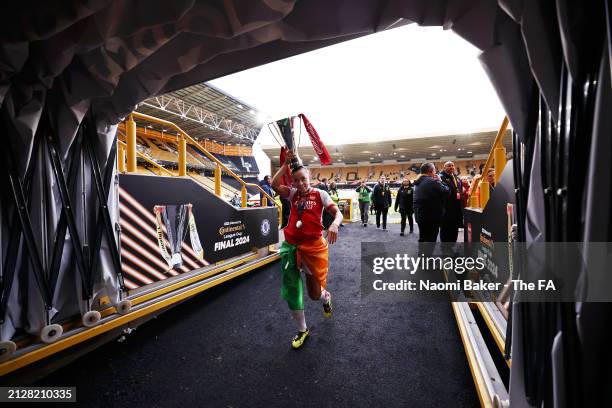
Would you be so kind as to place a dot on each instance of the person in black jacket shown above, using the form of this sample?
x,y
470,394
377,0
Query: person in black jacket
x,y
452,219
403,201
323,185
381,196
429,196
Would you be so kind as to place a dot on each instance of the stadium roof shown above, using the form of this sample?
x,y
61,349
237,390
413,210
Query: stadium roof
x,y
206,112
458,146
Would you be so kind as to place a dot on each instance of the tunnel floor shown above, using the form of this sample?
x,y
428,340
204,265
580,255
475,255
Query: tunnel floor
x,y
230,347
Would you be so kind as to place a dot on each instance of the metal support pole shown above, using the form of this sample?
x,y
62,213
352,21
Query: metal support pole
x,y
121,159
474,201
104,223
60,233
484,193
67,209
243,201
497,143
218,181
130,136
499,159
182,156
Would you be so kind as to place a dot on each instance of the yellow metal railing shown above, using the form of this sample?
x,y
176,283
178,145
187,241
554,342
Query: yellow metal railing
x,y
130,136
183,140
497,156
226,190
122,146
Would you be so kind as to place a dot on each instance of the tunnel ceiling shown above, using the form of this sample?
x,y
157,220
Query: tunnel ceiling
x,y
115,54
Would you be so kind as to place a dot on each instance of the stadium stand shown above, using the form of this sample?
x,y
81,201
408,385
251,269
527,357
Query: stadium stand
x,y
159,148
228,192
200,158
230,181
227,161
393,172
244,164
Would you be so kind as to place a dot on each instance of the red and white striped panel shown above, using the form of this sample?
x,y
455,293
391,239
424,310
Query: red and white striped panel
x,y
141,260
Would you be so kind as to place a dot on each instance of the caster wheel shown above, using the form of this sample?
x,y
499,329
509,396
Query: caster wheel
x,y
91,318
7,348
51,333
124,306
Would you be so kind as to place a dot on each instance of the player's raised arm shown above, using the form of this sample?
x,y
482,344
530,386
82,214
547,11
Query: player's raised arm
x,y
280,189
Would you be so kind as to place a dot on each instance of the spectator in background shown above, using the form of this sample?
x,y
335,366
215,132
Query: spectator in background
x,y
364,202
465,185
265,185
490,179
323,185
327,217
403,201
382,201
452,219
429,195
333,193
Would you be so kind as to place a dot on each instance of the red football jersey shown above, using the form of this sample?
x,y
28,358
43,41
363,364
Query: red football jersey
x,y
312,205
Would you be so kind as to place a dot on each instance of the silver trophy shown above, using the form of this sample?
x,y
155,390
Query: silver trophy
x,y
284,133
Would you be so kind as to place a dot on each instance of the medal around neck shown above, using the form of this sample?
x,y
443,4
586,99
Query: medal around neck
x,y
298,224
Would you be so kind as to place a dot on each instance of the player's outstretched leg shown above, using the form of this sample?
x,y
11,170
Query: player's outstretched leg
x,y
292,291
300,338
317,292
327,303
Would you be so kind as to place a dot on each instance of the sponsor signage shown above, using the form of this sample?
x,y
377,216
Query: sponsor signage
x,y
209,229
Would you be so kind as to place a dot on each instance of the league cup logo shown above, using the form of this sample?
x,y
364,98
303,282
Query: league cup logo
x,y
173,219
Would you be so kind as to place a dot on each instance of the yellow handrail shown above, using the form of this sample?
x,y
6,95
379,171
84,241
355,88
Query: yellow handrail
x,y
144,156
210,156
498,142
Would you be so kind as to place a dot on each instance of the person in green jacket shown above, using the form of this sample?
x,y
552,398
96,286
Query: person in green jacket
x,y
333,193
364,202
